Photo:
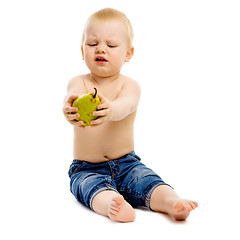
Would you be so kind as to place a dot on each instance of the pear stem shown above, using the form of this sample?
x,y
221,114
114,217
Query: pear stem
x,y
95,94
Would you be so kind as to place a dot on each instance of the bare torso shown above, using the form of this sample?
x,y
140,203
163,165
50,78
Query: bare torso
x,y
109,140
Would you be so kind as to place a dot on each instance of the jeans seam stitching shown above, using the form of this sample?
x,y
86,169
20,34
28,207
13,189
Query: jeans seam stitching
x,y
77,169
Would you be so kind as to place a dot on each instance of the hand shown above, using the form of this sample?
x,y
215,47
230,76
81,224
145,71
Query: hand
x,y
104,111
70,112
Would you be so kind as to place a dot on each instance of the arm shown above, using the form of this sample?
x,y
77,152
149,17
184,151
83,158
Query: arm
x,y
68,110
125,104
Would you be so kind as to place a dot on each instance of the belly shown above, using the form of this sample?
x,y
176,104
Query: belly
x,y
104,142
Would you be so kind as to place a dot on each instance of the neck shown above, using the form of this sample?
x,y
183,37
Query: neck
x,y
102,80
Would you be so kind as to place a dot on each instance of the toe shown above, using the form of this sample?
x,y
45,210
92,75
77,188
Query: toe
x,y
113,212
115,205
118,200
196,204
116,208
189,205
192,204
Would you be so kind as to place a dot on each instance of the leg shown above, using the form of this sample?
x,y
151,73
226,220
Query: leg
x,y
164,199
111,204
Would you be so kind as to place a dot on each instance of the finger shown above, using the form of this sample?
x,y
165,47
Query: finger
x,y
98,121
77,123
73,122
70,109
103,105
101,113
71,117
81,124
72,98
101,98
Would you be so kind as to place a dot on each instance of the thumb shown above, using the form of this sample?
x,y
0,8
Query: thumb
x,y
72,98
101,98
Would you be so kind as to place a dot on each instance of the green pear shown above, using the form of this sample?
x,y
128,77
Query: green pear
x,y
86,105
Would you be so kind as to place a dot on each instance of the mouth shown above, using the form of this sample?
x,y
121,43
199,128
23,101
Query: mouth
x,y
100,59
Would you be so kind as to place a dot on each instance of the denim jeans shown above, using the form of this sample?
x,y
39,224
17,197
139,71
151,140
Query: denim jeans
x,y
125,175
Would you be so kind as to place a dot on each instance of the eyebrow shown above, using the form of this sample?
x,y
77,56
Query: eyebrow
x,y
112,41
91,38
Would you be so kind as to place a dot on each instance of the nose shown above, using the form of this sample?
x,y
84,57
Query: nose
x,y
100,49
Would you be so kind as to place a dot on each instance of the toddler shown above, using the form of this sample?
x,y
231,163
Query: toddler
x,y
106,174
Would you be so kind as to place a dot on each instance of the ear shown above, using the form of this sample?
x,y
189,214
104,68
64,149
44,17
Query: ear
x,y
129,54
82,51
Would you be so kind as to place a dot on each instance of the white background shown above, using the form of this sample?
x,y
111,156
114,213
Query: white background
x,y
187,60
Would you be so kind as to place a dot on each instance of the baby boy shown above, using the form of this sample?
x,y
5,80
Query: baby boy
x,y
106,174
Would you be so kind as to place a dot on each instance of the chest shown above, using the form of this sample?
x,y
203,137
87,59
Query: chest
x,y
111,90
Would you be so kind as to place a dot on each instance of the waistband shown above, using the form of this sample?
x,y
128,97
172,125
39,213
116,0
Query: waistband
x,y
132,153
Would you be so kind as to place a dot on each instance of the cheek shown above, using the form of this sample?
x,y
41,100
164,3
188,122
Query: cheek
x,y
120,56
88,52
88,56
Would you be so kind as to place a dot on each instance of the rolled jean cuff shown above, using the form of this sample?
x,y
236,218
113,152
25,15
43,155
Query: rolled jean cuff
x,y
148,198
101,189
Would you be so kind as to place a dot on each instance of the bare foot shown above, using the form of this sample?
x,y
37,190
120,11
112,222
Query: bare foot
x,y
181,208
121,211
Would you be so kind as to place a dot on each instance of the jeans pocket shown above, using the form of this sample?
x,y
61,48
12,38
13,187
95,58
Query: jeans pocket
x,y
75,167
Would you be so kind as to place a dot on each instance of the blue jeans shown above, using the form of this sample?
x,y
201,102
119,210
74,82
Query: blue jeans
x,y
125,175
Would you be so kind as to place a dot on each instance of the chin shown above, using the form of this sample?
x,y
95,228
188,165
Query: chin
x,y
102,74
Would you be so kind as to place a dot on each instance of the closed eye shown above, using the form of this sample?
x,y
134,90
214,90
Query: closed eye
x,y
112,46
92,44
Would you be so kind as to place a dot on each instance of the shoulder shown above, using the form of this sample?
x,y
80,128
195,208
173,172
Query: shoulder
x,y
131,83
130,87
127,81
76,84
76,80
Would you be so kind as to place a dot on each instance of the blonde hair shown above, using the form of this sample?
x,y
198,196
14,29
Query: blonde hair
x,y
110,14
